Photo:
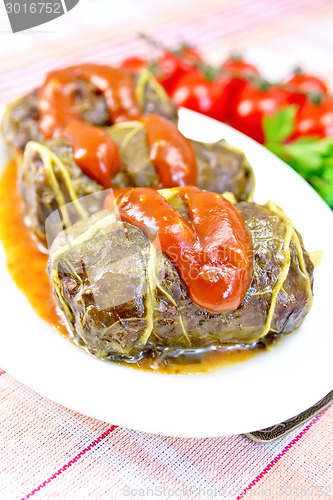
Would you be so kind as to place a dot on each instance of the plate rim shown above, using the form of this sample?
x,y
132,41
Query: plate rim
x,y
197,384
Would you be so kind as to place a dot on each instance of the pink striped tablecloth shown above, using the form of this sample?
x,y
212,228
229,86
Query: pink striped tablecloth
x,y
48,451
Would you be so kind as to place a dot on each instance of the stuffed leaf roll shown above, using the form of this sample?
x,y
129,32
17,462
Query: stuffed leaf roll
x,y
124,298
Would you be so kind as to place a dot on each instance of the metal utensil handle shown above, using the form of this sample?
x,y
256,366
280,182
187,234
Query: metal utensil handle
x,y
276,431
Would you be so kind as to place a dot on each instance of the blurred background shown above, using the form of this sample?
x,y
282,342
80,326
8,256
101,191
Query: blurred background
x,y
276,35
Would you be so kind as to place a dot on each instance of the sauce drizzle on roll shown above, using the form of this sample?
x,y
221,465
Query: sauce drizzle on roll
x,y
171,152
94,151
57,96
213,253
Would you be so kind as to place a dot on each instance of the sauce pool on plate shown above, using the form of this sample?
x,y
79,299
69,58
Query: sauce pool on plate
x,y
26,262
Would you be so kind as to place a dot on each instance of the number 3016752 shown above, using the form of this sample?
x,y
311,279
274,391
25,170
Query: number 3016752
x,y
33,8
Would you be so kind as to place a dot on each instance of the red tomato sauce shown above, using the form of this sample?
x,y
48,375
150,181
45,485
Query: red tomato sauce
x,y
94,151
213,255
171,153
57,96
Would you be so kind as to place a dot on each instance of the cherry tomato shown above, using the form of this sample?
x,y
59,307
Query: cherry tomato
x,y
134,64
189,53
168,68
238,67
305,83
172,66
238,72
315,118
196,92
300,84
253,104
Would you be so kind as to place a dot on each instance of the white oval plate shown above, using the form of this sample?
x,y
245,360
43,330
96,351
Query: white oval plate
x,y
260,392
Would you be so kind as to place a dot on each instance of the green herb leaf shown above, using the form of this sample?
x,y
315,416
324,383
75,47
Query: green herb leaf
x,y
324,185
313,159
279,127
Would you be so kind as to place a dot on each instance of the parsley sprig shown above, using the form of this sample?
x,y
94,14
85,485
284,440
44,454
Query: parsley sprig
x,y
311,157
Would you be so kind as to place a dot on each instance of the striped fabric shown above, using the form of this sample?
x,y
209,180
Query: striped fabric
x,y
48,451
276,38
